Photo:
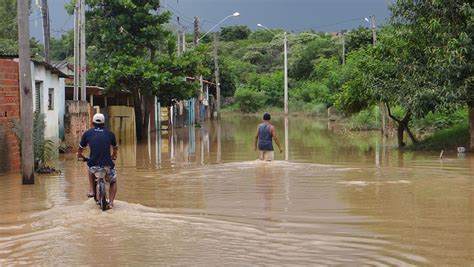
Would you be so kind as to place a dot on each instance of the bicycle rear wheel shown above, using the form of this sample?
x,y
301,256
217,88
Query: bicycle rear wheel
x,y
103,198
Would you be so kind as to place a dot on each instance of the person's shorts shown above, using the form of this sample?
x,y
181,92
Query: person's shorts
x,y
266,155
112,174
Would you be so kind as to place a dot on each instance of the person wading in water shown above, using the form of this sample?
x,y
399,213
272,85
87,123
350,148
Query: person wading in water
x,y
263,139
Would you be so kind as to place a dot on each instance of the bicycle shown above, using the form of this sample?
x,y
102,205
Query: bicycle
x,y
102,176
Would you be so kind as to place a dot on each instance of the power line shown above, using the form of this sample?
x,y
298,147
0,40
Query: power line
x,y
62,30
13,23
330,25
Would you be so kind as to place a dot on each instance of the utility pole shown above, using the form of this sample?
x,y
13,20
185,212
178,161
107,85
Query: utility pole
x,y
343,48
83,67
46,29
196,32
383,109
180,48
374,32
183,39
76,52
286,73
217,74
197,107
26,94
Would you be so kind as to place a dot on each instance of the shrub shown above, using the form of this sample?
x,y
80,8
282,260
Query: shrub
x,y
367,119
249,100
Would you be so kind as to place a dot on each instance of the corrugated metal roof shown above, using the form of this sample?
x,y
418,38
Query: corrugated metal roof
x,y
51,68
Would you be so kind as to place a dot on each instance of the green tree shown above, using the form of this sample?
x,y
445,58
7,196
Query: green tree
x,y
358,38
234,33
8,27
62,48
440,37
322,47
132,50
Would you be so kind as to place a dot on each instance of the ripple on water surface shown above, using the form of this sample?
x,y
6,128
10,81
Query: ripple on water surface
x,y
241,213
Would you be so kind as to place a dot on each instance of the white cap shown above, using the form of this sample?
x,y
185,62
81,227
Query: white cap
x,y
98,118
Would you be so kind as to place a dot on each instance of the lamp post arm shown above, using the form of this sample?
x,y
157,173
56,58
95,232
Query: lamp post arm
x,y
268,29
220,22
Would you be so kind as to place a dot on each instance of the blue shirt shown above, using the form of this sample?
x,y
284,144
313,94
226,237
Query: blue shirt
x,y
99,141
265,137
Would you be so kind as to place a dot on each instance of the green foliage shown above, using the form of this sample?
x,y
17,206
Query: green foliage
x,y
261,36
297,105
353,95
442,120
367,119
311,92
43,149
234,33
358,38
9,31
447,139
271,85
62,48
322,47
249,100
132,50
440,36
8,46
8,21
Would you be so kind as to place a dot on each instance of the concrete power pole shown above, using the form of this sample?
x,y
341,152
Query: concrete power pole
x,y
196,32
343,48
382,107
286,72
26,94
183,39
46,29
197,104
76,52
217,74
180,48
83,67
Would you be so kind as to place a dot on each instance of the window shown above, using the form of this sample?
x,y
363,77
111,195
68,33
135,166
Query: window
x,y
38,87
51,99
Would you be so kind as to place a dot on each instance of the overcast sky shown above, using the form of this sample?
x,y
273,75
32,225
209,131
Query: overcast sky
x,y
291,15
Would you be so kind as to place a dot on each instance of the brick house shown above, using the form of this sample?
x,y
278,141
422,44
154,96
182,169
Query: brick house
x,y
9,111
48,98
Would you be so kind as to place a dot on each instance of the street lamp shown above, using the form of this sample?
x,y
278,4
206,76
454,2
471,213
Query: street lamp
x,y
218,87
236,14
285,45
383,109
371,19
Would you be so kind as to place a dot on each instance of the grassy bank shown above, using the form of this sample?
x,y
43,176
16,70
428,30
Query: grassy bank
x,y
447,139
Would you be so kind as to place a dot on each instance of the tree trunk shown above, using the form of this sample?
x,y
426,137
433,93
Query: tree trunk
x,y
138,114
400,131
402,126
146,115
471,126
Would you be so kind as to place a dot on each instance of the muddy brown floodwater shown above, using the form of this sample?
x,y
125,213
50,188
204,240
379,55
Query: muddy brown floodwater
x,y
199,197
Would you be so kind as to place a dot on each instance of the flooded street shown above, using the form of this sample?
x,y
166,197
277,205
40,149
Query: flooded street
x,y
199,197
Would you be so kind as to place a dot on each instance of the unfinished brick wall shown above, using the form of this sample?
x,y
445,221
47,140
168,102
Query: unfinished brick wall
x,y
9,111
76,121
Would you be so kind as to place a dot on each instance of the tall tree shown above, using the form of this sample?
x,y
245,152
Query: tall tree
x,y
132,50
234,33
8,27
441,35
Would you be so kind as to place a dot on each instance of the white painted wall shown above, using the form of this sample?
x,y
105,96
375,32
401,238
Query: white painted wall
x,y
40,73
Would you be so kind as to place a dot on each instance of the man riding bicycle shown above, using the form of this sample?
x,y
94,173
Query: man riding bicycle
x,y
100,140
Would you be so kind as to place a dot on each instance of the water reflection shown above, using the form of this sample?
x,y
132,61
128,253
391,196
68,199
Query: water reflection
x,y
198,196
